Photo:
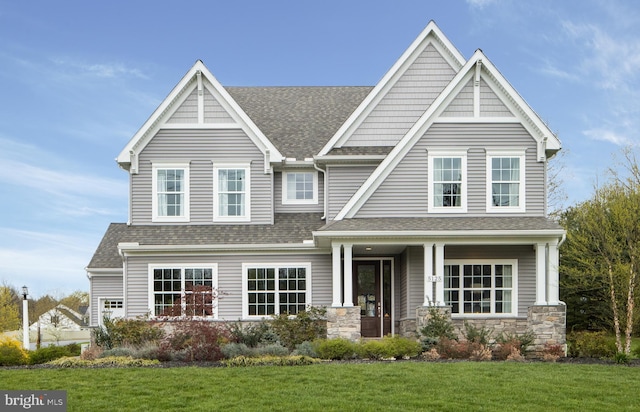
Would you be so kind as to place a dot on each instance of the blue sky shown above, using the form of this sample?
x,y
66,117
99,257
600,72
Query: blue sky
x,y
78,78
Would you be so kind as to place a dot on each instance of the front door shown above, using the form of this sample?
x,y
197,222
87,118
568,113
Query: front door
x,y
372,293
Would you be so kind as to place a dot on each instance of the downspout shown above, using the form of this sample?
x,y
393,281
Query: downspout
x,y
324,183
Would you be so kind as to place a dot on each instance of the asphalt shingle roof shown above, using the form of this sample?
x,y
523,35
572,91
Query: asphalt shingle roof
x,y
456,223
287,228
299,121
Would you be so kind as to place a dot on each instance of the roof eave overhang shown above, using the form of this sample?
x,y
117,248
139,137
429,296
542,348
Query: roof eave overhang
x,y
351,159
135,248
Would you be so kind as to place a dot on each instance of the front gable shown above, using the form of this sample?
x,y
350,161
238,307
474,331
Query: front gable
x,y
478,84
198,101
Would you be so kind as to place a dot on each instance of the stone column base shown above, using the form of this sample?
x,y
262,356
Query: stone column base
x,y
344,322
549,323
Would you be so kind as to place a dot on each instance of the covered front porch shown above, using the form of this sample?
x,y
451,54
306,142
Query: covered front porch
x,y
383,282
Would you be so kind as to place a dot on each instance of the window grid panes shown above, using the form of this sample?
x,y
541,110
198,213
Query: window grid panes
x,y
300,186
170,192
231,192
505,181
447,181
276,290
183,292
479,288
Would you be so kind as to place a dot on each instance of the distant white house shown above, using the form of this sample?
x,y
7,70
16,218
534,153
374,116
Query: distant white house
x,y
61,318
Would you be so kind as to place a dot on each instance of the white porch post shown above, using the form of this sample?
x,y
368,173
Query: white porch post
x,y
440,274
541,275
337,275
428,274
348,275
553,286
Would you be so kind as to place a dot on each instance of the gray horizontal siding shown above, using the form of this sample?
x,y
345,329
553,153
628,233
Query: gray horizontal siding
x,y
103,287
343,183
490,104
404,193
405,102
229,279
462,104
213,110
188,110
282,208
201,148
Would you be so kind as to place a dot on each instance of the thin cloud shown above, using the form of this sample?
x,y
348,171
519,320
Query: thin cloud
x,y
101,70
480,4
608,136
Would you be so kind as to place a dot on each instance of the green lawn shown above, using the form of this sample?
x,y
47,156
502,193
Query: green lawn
x,y
401,386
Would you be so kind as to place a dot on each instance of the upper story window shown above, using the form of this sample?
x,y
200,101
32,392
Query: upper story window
x,y
505,182
231,197
299,187
170,192
447,182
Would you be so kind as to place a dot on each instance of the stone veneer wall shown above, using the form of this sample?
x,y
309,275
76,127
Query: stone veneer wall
x,y
548,323
344,322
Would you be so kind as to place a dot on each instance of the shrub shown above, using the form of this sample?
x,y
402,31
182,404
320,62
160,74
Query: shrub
x,y
74,349
234,350
403,347
112,361
91,353
479,352
305,348
270,361
451,349
47,354
274,349
504,349
12,353
591,345
252,334
374,349
431,355
194,340
515,355
622,358
338,348
118,352
438,326
126,332
552,353
475,334
307,325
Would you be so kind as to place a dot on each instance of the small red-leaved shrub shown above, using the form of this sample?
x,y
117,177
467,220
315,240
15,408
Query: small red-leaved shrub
x,y
194,340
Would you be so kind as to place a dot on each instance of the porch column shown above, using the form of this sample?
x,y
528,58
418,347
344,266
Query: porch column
x,y
428,274
336,274
348,275
440,274
541,275
553,277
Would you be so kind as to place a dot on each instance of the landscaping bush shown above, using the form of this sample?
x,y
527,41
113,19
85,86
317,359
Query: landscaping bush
x,y
591,345
194,340
402,347
506,343
552,353
117,352
252,334
126,332
233,350
452,349
102,362
274,349
269,361
374,349
49,353
336,349
12,353
481,335
438,326
307,325
305,348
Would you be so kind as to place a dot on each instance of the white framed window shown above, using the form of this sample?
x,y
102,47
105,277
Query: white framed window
x,y
481,287
269,289
183,291
112,308
447,181
170,188
231,192
505,181
300,187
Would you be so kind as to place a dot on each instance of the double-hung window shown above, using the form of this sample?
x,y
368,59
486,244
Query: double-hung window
x,y
481,287
300,187
183,291
270,289
231,193
170,187
505,181
447,181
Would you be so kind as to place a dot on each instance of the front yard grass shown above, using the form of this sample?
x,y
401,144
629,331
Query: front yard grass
x,y
400,386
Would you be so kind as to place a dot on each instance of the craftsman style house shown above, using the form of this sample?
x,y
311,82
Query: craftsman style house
x,y
426,190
